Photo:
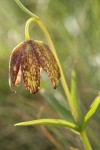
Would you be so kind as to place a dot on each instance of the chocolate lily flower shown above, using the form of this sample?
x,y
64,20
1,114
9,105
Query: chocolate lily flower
x,y
27,59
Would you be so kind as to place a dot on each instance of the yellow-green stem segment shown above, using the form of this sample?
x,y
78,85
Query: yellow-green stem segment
x,y
85,140
25,9
27,36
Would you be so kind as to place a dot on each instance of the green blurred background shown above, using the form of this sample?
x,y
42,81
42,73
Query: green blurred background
x,y
74,26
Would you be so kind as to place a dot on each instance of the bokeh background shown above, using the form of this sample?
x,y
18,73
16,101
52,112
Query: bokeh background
x,y
74,26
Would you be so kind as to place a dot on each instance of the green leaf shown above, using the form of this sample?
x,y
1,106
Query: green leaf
x,y
49,122
92,110
74,89
74,93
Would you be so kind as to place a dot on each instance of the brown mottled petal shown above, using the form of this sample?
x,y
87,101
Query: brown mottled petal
x,y
18,79
30,69
47,61
14,66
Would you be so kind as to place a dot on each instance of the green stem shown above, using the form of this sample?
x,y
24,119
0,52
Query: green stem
x,y
27,36
25,9
64,84
85,140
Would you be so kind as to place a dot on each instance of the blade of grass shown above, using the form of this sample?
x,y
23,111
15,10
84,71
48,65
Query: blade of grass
x,y
92,110
49,122
74,93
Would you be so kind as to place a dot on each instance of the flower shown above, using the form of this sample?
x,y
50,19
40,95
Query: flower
x,y
26,60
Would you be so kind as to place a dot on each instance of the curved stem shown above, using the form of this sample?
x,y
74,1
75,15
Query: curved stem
x,y
27,36
25,9
85,140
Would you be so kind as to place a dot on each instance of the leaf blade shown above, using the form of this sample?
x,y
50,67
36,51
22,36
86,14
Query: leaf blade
x,y
74,89
74,94
92,110
49,122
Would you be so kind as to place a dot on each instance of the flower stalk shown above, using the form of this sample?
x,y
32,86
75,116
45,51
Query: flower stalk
x,y
85,140
27,36
26,10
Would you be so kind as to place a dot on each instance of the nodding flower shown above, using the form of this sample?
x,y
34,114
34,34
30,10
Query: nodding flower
x,y
26,60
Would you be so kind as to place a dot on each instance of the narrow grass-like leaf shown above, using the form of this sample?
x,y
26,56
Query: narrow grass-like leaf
x,y
74,89
49,122
74,93
92,110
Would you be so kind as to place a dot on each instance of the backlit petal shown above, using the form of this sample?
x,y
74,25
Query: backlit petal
x,y
47,61
14,66
30,69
